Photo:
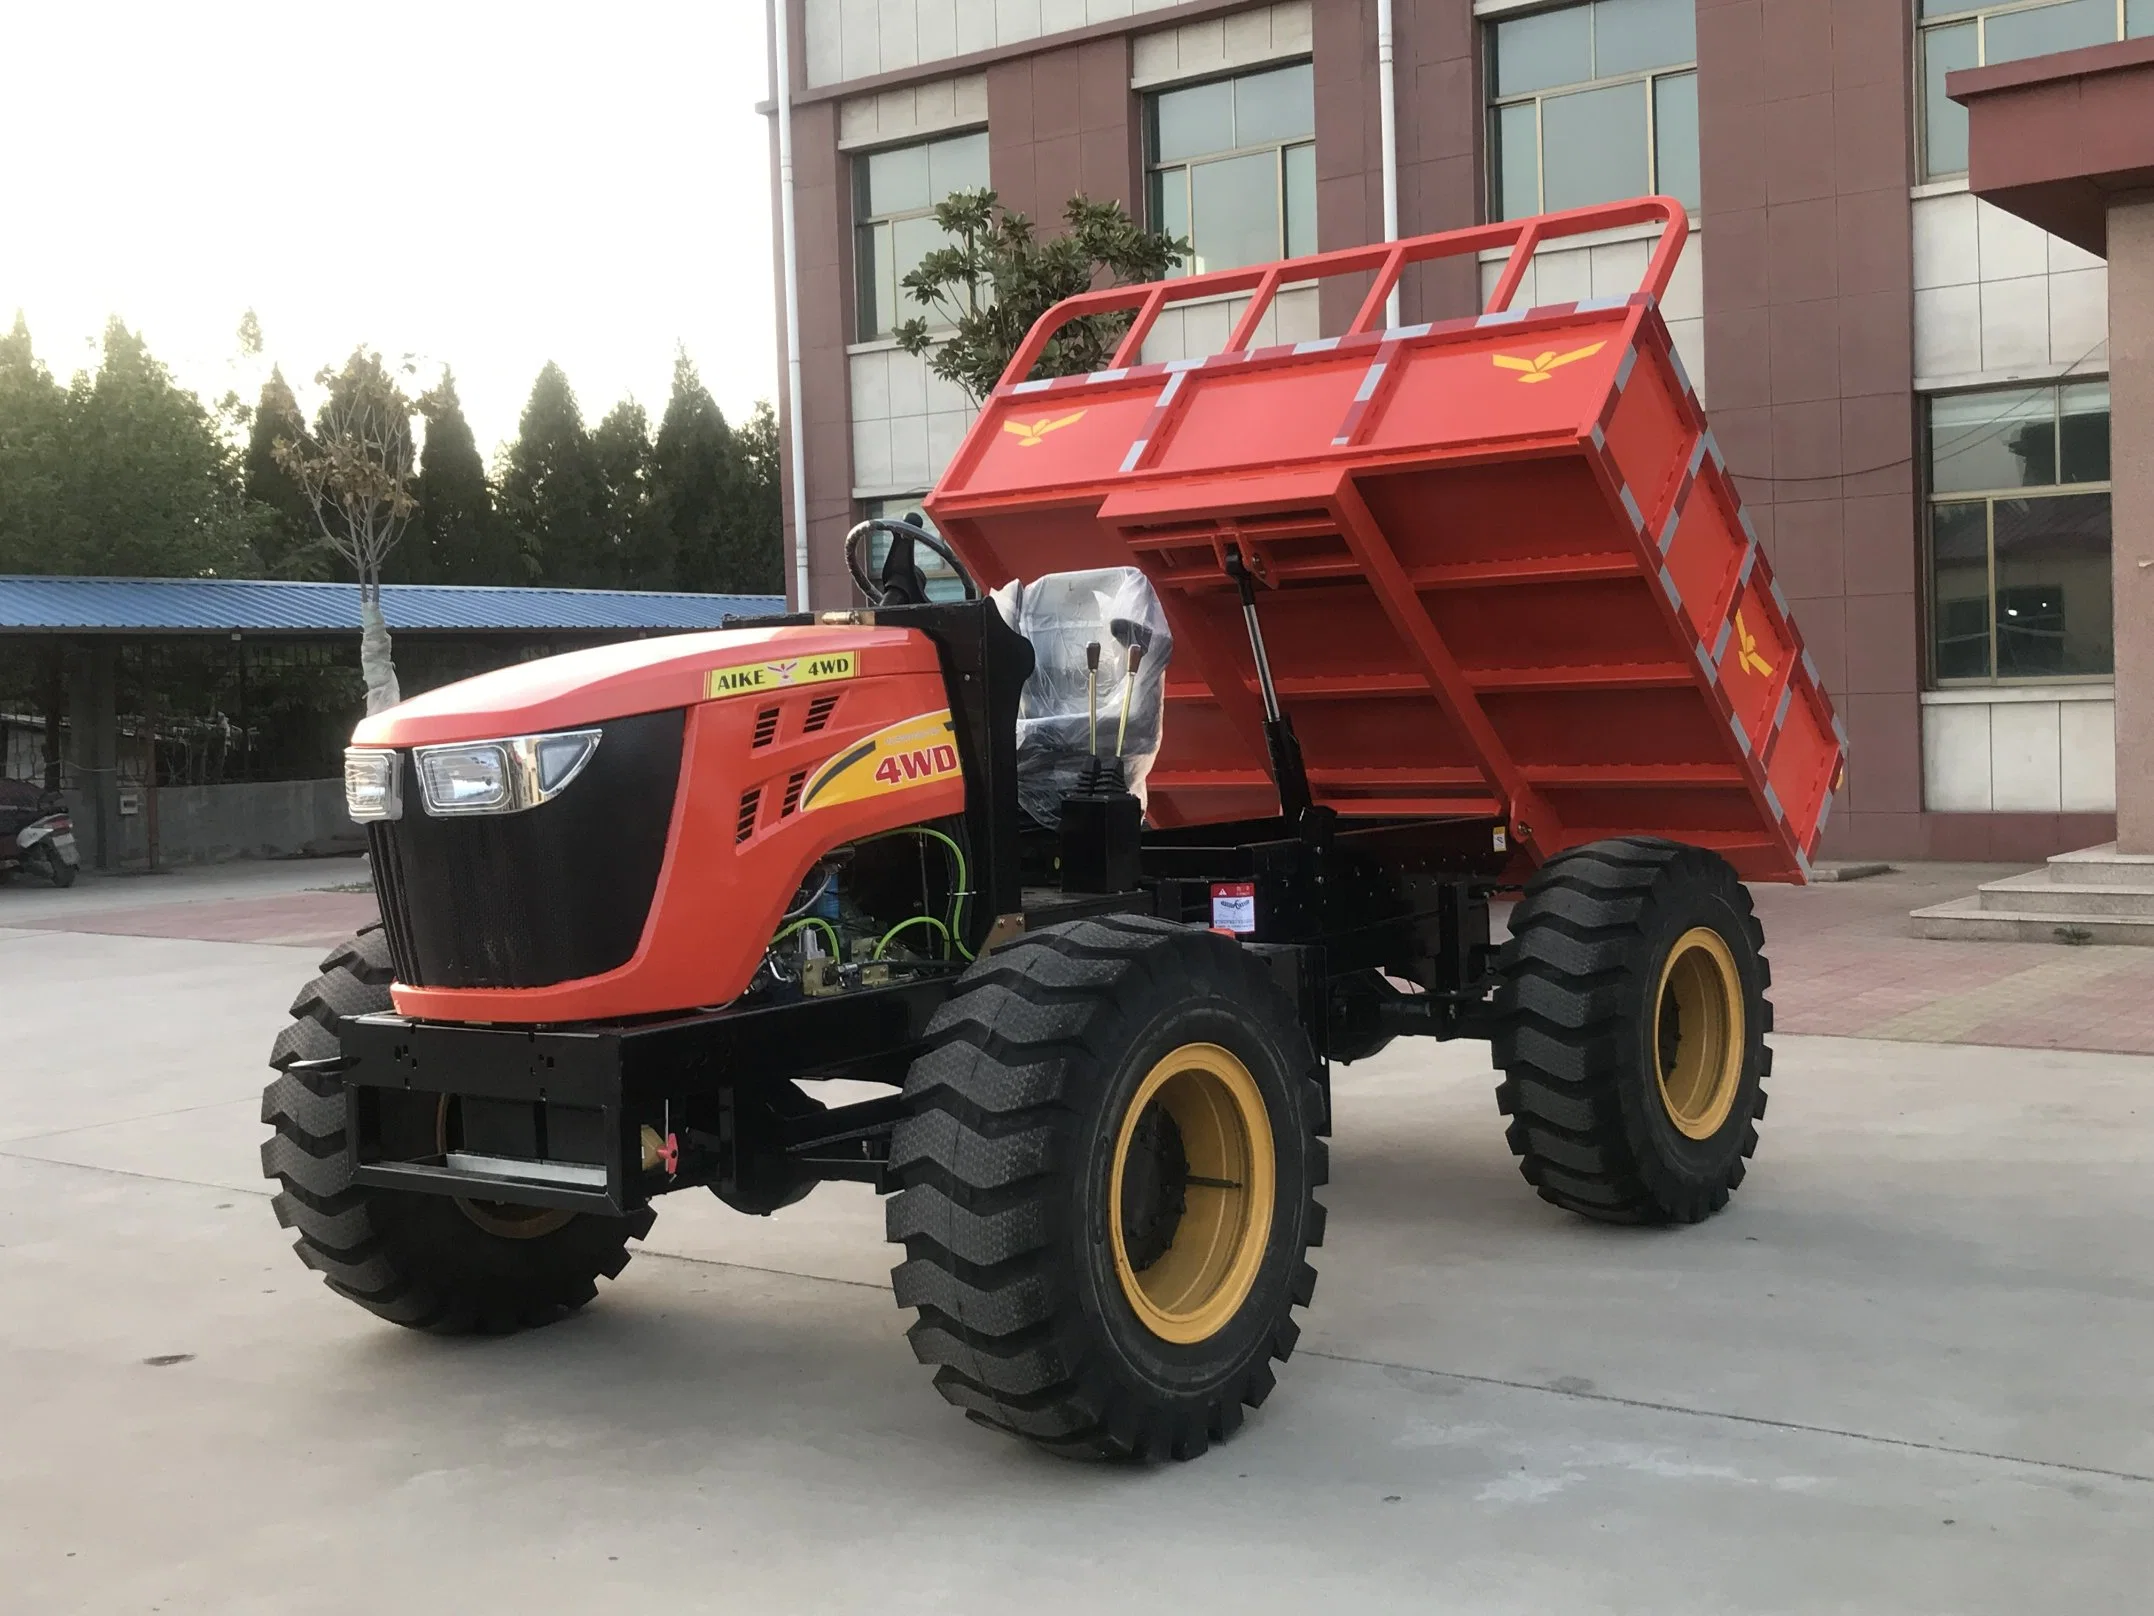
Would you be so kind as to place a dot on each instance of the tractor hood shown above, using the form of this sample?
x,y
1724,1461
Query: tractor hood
x,y
643,676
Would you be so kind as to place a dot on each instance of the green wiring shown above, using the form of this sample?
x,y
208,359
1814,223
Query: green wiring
x,y
951,928
916,920
829,931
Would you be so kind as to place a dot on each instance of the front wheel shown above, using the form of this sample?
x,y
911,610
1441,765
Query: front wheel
x,y
1631,1031
1109,1177
426,1261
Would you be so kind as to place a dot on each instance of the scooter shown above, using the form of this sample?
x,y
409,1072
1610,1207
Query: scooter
x,y
36,834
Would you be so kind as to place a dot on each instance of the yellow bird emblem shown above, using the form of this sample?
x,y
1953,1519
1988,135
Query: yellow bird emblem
x,y
1029,433
1746,644
1542,365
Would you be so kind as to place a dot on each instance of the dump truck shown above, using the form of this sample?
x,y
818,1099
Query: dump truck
x,y
1274,669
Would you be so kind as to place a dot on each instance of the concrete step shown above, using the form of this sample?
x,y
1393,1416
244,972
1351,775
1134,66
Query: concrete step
x,y
1967,920
2101,866
2035,893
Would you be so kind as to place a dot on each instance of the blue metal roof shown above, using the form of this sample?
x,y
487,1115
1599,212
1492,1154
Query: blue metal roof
x,y
262,606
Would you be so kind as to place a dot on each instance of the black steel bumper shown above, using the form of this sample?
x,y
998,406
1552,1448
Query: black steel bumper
x,y
554,1116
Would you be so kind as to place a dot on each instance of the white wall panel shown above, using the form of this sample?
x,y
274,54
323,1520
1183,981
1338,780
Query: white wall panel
x,y
1221,44
1998,300
2020,749
849,39
1955,759
2087,756
2024,771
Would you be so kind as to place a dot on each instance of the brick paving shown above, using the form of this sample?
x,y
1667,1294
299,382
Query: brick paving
x,y
1845,966
1843,962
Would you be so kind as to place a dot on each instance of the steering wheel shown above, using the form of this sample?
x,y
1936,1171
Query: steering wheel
x,y
900,582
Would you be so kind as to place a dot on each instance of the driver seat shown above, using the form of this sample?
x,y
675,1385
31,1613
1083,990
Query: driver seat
x,y
1062,614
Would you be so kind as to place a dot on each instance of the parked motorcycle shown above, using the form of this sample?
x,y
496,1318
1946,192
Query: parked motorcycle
x,y
36,833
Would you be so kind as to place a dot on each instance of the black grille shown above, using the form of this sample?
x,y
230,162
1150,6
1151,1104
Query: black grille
x,y
766,727
556,892
819,711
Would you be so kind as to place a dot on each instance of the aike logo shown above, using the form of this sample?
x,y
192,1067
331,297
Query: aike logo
x,y
1029,433
1542,366
813,670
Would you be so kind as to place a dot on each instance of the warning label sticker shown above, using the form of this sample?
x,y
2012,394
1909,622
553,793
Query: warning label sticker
x,y
1234,906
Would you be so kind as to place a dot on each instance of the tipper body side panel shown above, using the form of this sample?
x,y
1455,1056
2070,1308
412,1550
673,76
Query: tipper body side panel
x,y
1507,570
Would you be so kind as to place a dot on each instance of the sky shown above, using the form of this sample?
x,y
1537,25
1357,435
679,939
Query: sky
x,y
475,183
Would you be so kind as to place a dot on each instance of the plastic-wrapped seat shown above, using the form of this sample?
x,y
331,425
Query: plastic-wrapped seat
x,y
1063,614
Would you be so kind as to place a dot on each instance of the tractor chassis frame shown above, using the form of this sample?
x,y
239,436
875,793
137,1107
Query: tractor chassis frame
x,y
601,1117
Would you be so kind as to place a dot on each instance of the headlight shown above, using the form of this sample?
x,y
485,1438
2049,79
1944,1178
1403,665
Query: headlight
x,y
502,777
373,784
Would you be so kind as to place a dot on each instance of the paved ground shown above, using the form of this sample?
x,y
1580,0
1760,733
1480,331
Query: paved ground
x,y
1905,1373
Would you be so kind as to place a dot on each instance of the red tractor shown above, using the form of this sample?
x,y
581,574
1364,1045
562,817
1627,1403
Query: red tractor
x,y
1301,655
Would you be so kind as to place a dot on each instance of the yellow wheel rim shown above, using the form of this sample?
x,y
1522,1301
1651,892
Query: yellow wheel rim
x,y
1196,1132
1699,1032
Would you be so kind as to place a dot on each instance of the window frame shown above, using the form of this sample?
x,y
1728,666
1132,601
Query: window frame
x,y
1979,15
1155,166
864,221
1495,105
1990,498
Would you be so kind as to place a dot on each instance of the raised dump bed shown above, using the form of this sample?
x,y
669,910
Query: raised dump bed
x,y
1508,572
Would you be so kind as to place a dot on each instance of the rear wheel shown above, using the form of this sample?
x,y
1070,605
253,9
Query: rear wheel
x,y
53,867
426,1261
1631,1032
1108,1188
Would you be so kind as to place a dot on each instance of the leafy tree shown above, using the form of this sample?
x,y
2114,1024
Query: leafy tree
x,y
996,279
549,487
633,539
460,539
356,469
287,542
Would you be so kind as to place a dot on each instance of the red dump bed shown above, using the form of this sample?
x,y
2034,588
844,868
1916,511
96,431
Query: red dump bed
x,y
1508,571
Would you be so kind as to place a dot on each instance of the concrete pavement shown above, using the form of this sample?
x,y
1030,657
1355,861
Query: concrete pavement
x,y
1905,1372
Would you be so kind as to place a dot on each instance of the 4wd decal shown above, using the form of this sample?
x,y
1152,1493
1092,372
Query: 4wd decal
x,y
913,752
801,670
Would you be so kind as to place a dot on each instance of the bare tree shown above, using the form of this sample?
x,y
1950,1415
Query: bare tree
x,y
356,470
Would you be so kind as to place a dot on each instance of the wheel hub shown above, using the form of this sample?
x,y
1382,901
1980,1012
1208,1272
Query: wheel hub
x,y
1192,1191
1700,1033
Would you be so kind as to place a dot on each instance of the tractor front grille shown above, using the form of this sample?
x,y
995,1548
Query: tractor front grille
x,y
551,894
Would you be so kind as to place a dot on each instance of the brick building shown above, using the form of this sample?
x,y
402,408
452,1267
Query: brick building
x,y
1910,384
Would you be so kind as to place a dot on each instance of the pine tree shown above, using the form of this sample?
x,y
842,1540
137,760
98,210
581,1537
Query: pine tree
x,y
635,551
754,528
550,489
461,540
694,467
32,406
287,543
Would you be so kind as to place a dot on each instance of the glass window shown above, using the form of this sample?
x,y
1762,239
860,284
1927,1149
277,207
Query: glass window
x,y
2138,18
2019,533
1233,167
894,197
1593,103
1967,33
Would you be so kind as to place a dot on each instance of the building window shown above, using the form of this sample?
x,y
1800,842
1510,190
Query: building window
x,y
894,197
2019,533
1233,167
1965,33
1593,103
942,583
